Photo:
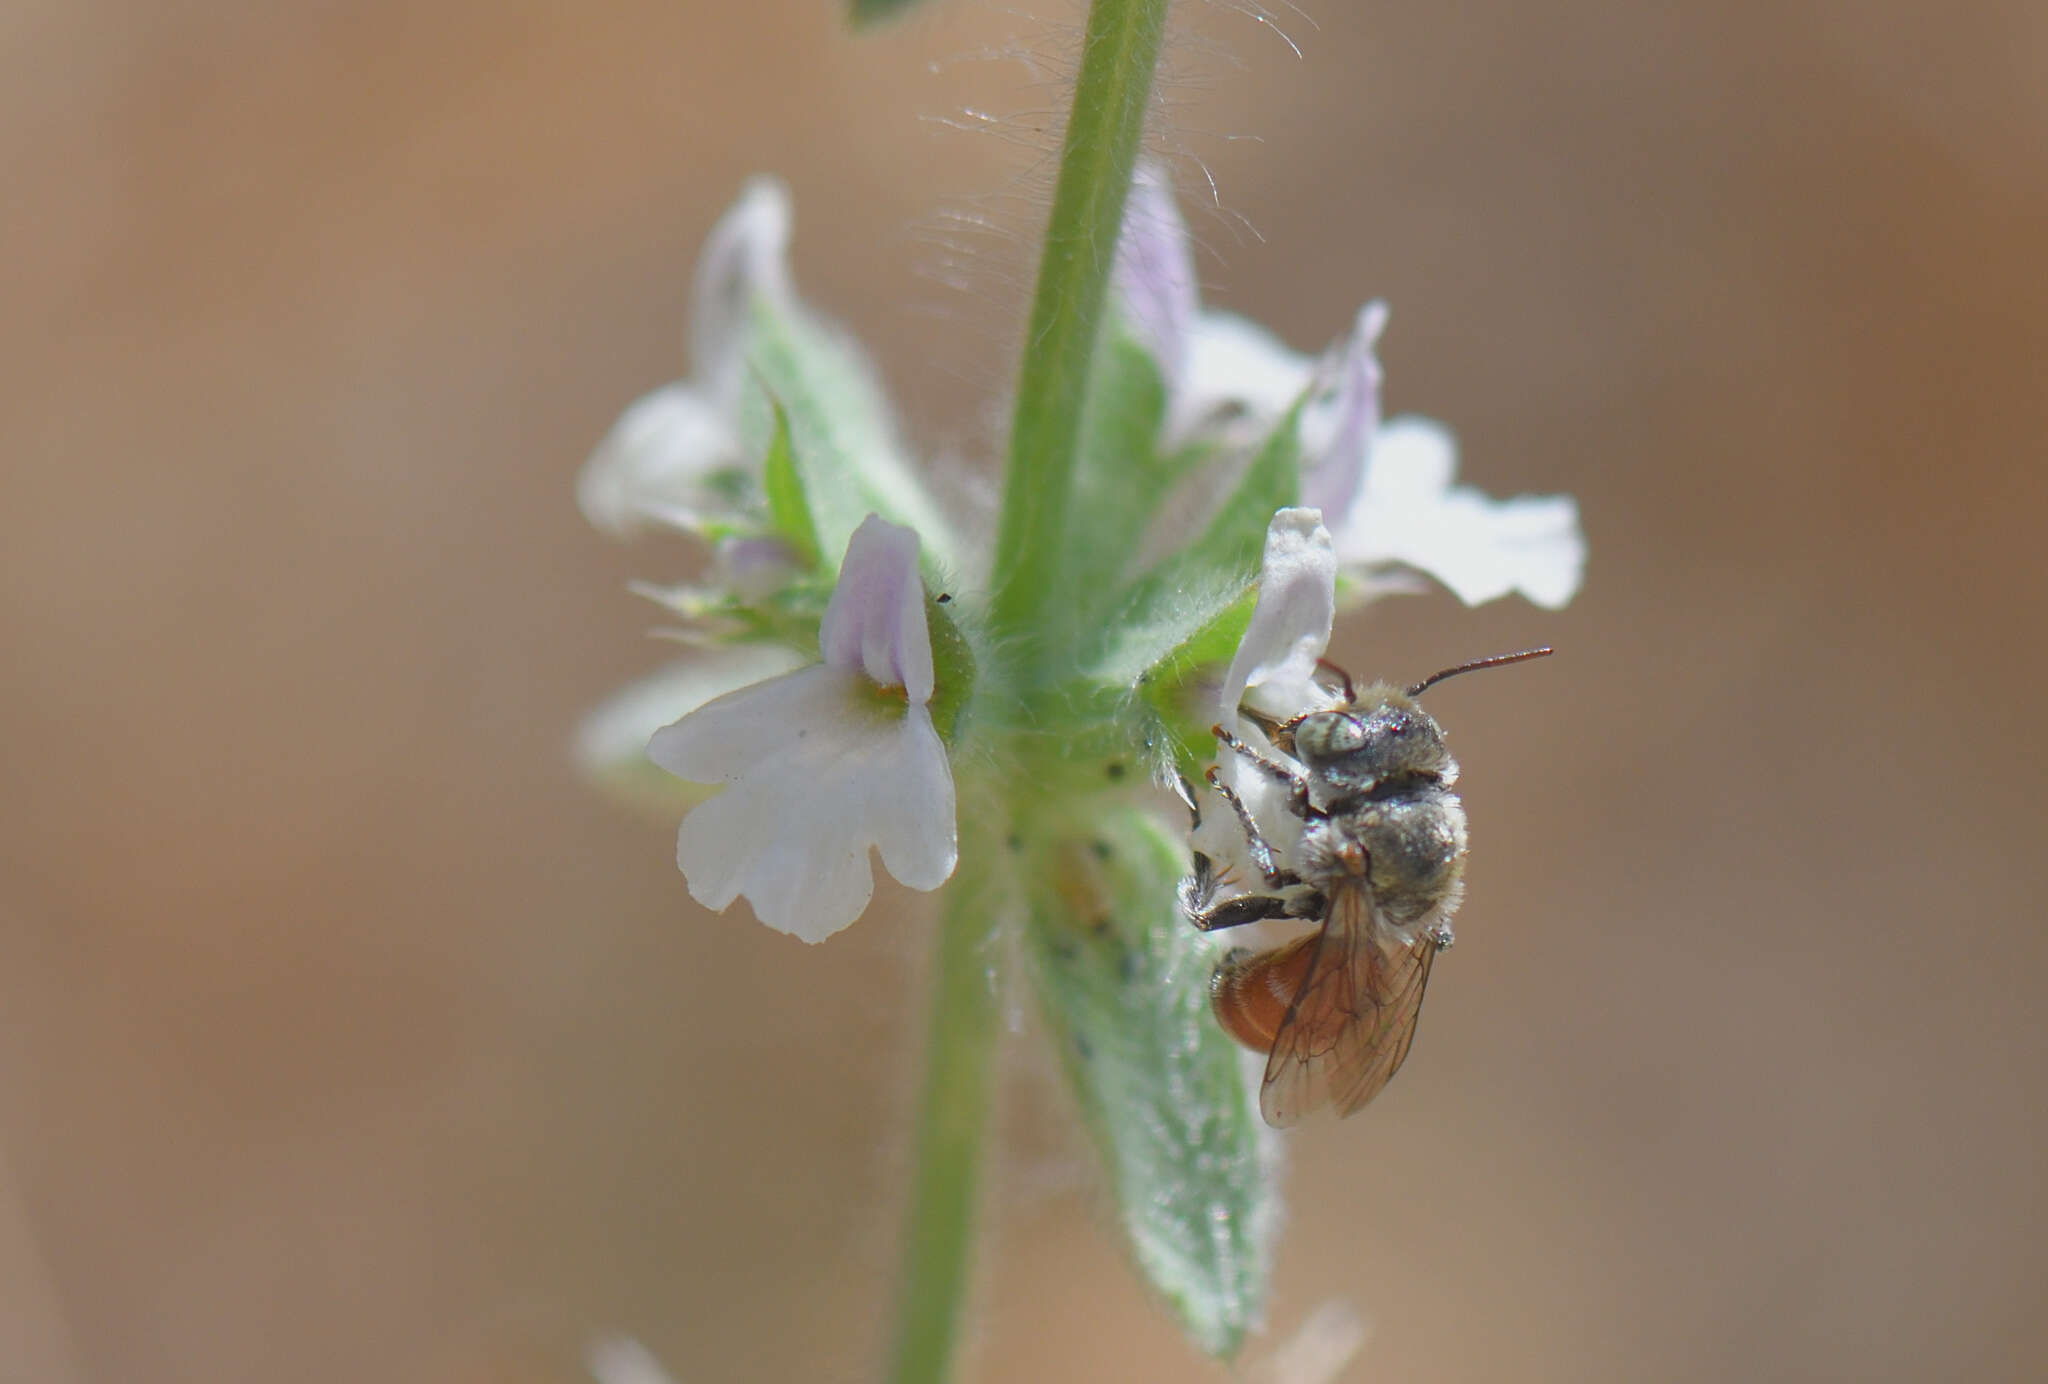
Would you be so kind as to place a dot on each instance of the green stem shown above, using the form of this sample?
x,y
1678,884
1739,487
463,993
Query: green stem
x,y
940,1229
1103,131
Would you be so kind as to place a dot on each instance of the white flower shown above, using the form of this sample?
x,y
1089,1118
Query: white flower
x,y
1386,491
663,461
826,762
1273,672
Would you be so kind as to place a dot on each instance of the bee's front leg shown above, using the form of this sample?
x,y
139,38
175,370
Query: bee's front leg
x,y
1297,786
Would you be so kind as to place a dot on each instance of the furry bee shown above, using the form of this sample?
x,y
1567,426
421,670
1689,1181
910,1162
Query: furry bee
x,y
1380,868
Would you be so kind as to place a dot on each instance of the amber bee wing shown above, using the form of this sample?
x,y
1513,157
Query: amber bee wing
x,y
1338,1008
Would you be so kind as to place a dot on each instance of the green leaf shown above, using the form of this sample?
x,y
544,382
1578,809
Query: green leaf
x,y
787,509
1191,610
843,439
1119,478
1236,537
1124,983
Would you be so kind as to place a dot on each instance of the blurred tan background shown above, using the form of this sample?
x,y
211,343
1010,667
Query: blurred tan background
x,y
347,1036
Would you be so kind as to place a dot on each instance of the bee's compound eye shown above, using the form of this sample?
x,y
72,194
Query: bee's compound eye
x,y
1328,734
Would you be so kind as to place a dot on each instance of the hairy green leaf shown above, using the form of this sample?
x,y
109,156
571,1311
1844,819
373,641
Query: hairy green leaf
x,y
1124,983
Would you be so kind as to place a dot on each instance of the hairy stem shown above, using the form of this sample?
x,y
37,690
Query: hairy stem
x,y
1101,147
939,1232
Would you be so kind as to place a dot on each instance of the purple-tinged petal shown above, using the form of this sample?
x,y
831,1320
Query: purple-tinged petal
x,y
875,619
1339,427
1154,274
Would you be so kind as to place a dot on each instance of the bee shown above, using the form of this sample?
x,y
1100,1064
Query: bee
x,y
1380,868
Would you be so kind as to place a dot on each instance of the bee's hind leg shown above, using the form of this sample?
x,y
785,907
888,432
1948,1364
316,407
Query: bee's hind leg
x,y
1245,908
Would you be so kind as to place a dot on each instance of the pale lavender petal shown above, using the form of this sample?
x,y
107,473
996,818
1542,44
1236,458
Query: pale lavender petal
x,y
651,466
875,619
755,568
1154,274
1290,624
746,257
1338,429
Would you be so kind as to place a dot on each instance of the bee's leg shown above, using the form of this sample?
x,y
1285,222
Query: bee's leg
x,y
1262,853
1297,786
1245,908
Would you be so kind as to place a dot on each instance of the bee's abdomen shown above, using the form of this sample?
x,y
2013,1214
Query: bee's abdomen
x,y
1251,992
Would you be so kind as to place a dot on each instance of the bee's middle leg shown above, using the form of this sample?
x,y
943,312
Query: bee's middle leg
x,y
1262,852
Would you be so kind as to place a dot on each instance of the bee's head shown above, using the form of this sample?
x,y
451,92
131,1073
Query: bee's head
x,y
1384,736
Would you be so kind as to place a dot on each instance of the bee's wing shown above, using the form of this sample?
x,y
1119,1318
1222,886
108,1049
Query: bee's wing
x,y
1353,1019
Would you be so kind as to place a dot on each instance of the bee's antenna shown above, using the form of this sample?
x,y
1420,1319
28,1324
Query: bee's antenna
x,y
1498,660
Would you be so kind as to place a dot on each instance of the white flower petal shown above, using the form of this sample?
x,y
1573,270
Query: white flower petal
x,y
1236,370
793,830
746,256
1275,662
1154,275
652,465
912,812
1412,457
875,619
727,736
1480,548
617,731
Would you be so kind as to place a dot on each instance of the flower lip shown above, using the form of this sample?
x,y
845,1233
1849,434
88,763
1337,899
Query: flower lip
x,y
818,768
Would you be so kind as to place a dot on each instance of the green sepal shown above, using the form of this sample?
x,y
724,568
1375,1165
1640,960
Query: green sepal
x,y
788,511
843,442
1167,1097
952,667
